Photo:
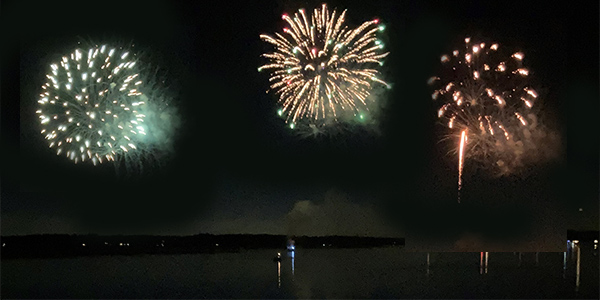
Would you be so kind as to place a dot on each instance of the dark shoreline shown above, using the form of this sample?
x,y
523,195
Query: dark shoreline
x,y
63,245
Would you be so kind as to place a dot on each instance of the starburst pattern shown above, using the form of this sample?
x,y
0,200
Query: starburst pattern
x,y
323,71
96,105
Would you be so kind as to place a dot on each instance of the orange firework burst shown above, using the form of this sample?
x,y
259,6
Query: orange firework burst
x,y
486,96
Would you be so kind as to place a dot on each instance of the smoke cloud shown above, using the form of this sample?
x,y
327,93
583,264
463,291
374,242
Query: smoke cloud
x,y
336,215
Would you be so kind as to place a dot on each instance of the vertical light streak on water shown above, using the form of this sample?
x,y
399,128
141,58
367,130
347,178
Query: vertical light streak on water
x,y
486,261
278,274
577,268
480,262
293,255
564,264
427,263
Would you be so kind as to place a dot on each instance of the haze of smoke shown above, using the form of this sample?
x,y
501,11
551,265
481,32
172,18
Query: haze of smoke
x,y
335,216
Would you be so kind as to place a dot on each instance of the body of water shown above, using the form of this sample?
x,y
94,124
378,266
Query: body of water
x,y
309,273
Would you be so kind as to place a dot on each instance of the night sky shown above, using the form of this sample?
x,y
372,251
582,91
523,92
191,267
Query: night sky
x,y
237,168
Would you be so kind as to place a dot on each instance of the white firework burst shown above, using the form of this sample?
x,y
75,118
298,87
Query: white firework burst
x,y
98,105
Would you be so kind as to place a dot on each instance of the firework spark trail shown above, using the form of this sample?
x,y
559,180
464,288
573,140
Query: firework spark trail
x,y
485,90
322,70
96,106
463,141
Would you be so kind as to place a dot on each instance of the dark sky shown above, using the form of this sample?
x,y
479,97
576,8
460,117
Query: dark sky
x,y
237,168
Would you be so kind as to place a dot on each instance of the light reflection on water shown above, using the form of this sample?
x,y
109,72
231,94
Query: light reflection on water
x,y
292,255
578,268
310,273
278,274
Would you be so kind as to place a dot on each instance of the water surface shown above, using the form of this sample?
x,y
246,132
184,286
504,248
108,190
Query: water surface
x,y
310,273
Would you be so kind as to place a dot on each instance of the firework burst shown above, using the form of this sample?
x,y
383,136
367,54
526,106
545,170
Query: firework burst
x,y
323,71
98,105
487,102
